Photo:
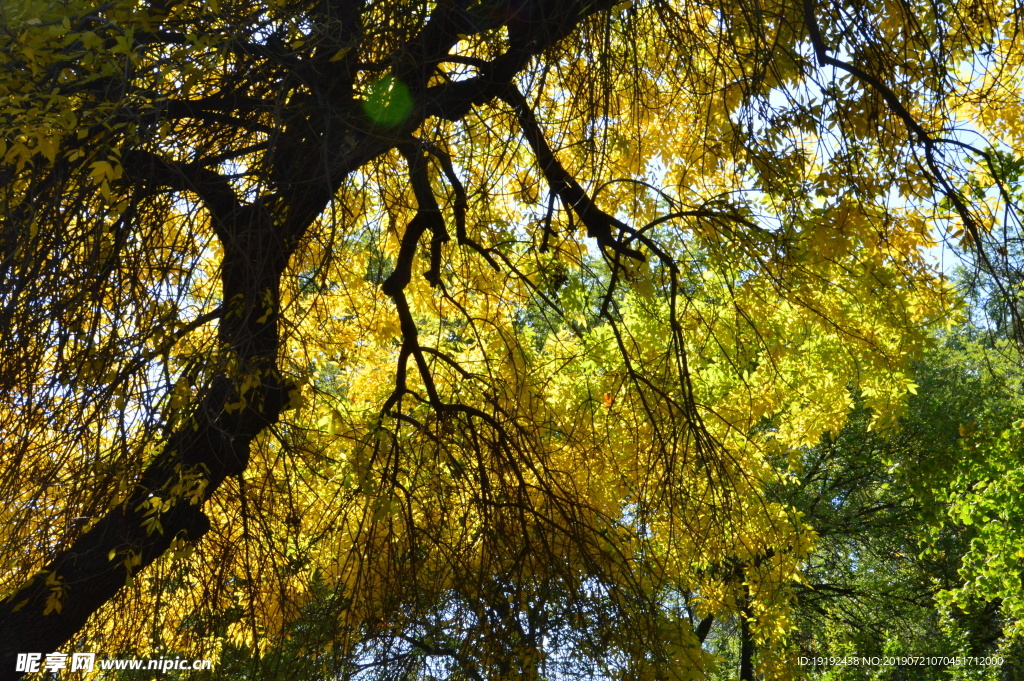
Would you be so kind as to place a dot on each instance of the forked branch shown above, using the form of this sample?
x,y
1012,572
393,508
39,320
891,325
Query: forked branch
x,y
599,223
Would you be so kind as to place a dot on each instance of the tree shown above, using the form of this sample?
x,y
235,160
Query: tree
x,y
891,548
235,316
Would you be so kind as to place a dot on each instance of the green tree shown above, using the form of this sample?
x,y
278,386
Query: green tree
x,y
893,542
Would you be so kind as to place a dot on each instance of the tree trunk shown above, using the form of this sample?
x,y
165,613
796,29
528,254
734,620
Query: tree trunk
x,y
215,441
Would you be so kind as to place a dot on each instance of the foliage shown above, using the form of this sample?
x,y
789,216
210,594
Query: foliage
x,y
891,548
662,244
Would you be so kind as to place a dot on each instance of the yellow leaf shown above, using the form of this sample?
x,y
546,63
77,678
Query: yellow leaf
x,y
53,604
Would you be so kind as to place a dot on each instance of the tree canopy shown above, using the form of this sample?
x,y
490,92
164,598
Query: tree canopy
x,y
473,340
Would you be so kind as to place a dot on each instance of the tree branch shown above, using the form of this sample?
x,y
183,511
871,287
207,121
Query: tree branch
x,y
599,224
